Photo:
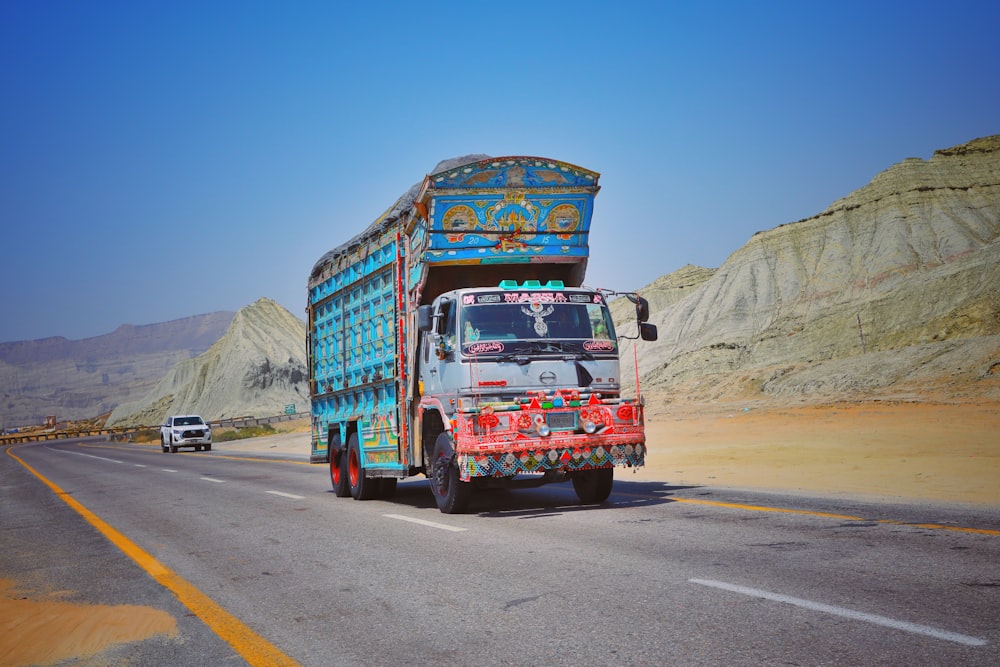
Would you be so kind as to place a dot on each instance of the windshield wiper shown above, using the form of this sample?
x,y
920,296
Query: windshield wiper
x,y
565,348
520,359
546,346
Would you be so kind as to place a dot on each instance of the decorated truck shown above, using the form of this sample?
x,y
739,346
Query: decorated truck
x,y
453,338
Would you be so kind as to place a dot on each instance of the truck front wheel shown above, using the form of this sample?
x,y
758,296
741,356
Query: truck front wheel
x,y
450,492
593,486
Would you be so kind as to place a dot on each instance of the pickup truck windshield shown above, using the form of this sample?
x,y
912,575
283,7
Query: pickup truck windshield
x,y
513,319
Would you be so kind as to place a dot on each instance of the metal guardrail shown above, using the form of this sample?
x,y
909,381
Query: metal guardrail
x,y
63,434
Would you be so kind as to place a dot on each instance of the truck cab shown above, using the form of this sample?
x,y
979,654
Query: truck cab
x,y
489,344
523,378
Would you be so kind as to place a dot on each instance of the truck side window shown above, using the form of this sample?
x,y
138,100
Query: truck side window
x,y
445,330
448,315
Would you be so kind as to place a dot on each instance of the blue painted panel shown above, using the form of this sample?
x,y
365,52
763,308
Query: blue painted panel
x,y
354,344
487,229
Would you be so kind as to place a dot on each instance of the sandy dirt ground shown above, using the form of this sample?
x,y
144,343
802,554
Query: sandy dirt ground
x,y
44,630
878,451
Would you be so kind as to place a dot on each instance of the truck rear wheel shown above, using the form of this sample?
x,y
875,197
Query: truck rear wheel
x,y
338,474
450,492
593,486
362,488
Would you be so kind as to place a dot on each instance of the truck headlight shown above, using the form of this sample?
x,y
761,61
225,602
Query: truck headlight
x,y
589,427
544,430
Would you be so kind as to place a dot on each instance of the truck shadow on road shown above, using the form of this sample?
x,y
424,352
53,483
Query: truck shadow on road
x,y
541,501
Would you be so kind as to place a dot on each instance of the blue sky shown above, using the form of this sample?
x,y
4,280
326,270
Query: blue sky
x,y
161,160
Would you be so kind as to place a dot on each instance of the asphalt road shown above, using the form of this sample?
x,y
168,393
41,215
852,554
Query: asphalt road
x,y
659,575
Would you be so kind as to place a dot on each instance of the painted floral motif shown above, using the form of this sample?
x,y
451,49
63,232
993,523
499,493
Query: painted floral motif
x,y
563,219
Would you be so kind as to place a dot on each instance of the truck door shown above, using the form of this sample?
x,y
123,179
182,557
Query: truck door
x,y
438,347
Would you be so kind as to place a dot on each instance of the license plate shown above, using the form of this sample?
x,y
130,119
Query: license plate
x,y
561,421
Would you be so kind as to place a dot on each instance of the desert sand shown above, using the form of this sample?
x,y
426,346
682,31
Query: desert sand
x,y
874,450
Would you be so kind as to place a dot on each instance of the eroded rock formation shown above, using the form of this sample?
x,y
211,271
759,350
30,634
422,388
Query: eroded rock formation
x,y
256,368
893,289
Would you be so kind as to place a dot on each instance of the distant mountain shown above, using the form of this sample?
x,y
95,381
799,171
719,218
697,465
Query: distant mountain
x,y
256,368
79,379
892,292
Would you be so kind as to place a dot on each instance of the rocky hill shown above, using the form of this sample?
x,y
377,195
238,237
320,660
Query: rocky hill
x,y
256,368
891,292
79,379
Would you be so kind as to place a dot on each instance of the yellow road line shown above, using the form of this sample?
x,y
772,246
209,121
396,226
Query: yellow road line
x,y
828,515
252,647
937,526
764,508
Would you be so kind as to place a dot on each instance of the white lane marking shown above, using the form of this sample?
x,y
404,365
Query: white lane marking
x,y
424,522
168,470
139,465
286,495
846,613
212,479
89,456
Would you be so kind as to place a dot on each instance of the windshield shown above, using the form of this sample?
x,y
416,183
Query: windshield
x,y
188,421
520,320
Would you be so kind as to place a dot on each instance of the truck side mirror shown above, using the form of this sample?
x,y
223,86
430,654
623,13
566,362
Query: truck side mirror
x,y
647,331
425,318
642,310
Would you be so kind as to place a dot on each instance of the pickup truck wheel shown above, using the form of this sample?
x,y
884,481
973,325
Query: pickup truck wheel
x,y
362,488
208,447
338,475
593,486
173,447
450,492
163,445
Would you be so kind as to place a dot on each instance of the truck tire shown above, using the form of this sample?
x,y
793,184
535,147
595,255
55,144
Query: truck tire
x,y
338,473
450,492
593,486
208,447
362,488
163,444
173,447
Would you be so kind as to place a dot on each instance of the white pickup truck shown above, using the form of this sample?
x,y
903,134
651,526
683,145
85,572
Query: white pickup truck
x,y
185,431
